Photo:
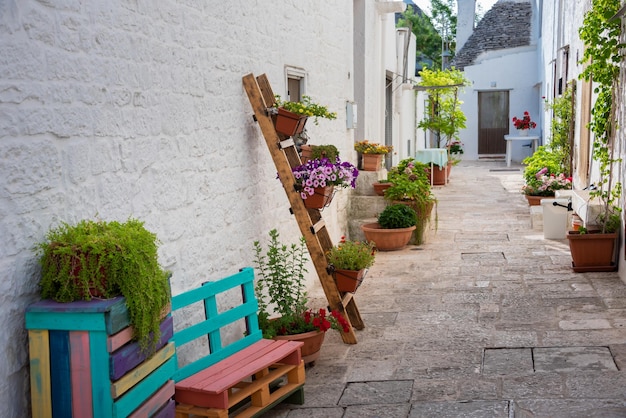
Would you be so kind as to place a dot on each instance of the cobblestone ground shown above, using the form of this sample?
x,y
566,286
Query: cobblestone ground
x,y
485,319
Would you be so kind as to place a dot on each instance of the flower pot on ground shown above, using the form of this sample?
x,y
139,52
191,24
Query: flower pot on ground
x,y
440,175
394,228
315,178
543,176
107,259
281,293
348,262
592,250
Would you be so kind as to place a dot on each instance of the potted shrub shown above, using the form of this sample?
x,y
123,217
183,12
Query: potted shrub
x,y
281,293
602,58
371,154
410,185
97,259
348,261
316,180
394,228
544,173
292,116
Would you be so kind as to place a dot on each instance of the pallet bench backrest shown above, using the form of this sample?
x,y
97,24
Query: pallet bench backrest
x,y
215,320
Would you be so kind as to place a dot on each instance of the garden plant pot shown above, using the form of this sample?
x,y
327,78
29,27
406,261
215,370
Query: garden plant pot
x,y
349,280
372,162
306,153
592,251
439,175
289,123
380,188
312,340
536,200
387,239
321,198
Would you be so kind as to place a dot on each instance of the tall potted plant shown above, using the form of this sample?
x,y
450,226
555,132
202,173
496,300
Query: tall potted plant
x,y
98,259
602,55
280,289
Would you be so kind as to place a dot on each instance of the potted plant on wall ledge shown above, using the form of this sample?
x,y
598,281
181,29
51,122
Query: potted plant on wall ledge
x,y
97,259
599,32
371,154
280,289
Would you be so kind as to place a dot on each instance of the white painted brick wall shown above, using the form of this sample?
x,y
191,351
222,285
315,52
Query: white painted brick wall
x,y
130,108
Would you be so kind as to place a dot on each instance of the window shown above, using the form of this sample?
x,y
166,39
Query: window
x,y
295,83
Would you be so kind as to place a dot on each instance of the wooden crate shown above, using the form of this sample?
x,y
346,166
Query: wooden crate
x,y
83,363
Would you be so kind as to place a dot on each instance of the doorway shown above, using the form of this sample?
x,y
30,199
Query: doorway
x,y
493,121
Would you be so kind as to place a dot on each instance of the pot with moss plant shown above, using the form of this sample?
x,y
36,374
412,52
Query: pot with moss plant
x,y
317,152
97,259
604,66
348,262
281,293
394,228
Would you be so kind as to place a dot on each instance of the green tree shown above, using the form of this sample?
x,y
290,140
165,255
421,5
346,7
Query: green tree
x,y
427,39
444,117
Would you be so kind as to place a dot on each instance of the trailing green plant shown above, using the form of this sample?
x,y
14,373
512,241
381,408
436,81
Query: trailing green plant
x,y
324,151
444,117
107,259
397,216
602,57
281,289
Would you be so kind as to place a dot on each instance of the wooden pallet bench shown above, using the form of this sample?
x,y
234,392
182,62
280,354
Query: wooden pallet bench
x,y
244,377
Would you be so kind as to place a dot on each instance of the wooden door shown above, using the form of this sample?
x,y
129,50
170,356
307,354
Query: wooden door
x,y
493,121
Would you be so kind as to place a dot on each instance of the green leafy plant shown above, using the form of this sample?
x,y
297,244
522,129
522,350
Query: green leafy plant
x,y
324,151
281,289
106,259
397,216
306,108
602,58
539,166
561,129
352,255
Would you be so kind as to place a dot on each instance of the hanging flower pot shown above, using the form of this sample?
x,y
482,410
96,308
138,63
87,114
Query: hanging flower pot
x,y
289,123
321,197
349,280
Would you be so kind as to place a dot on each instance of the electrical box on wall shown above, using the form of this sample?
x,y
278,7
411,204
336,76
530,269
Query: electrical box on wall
x,y
351,115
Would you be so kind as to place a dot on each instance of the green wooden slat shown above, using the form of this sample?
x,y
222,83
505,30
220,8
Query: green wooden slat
x,y
65,321
212,288
210,309
100,383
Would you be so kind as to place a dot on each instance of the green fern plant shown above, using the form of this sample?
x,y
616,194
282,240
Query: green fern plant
x,y
107,259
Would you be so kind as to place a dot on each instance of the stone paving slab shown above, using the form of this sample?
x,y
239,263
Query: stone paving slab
x,y
485,319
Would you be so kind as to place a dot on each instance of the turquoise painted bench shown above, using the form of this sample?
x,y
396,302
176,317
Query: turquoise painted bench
x,y
245,377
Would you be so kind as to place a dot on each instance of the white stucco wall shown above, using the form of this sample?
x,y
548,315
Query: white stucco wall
x,y
514,70
118,109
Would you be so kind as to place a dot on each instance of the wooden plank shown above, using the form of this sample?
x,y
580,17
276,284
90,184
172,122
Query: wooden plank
x,y
168,410
65,321
131,355
117,340
39,353
101,385
155,402
83,306
130,401
131,379
60,376
211,288
80,360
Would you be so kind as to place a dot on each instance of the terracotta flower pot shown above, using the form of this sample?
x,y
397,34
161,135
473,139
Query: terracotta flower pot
x,y
349,280
312,340
592,251
536,200
387,239
372,162
321,198
380,188
289,123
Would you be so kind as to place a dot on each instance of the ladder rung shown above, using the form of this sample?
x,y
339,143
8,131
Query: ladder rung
x,y
286,143
318,225
346,299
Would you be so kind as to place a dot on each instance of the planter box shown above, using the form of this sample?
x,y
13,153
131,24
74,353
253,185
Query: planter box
x,y
592,251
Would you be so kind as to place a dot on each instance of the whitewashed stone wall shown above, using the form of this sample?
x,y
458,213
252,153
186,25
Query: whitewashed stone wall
x,y
117,109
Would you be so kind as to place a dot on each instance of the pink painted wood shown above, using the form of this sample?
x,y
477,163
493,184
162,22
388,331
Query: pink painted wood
x,y
80,365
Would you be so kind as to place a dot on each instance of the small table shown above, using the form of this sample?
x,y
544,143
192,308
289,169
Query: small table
x,y
510,138
433,156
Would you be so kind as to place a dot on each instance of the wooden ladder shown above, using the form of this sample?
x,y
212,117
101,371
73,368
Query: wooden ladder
x,y
312,226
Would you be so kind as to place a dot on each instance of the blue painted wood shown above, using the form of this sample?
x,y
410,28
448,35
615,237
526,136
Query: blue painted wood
x,y
95,315
132,399
60,377
215,320
131,355
100,383
168,410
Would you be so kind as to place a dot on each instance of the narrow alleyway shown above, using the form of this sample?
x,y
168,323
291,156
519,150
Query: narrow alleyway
x,y
486,319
